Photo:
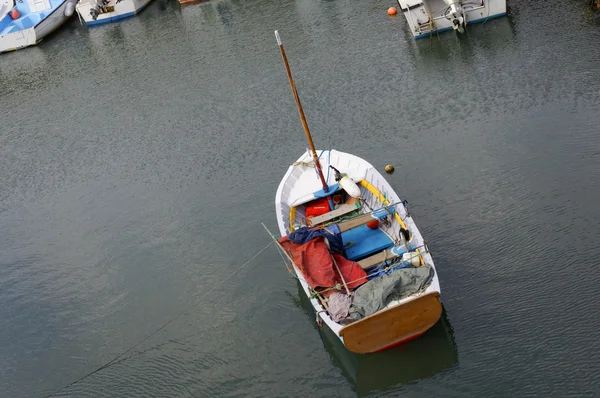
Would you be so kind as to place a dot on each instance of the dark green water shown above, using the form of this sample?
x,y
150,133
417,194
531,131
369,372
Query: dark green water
x,y
137,161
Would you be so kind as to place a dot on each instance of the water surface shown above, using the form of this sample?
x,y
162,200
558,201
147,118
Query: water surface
x,y
138,159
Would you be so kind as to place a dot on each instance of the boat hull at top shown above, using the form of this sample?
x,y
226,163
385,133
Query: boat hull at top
x,y
36,20
426,17
399,320
95,12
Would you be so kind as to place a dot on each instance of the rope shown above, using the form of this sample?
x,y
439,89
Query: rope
x,y
377,270
356,213
112,361
312,163
305,164
340,272
286,263
488,14
314,293
281,253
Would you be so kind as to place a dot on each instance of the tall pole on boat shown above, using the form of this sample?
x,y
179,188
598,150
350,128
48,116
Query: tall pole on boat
x,y
303,119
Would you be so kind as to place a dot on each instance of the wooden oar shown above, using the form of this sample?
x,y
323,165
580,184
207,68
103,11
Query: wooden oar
x,y
341,275
304,124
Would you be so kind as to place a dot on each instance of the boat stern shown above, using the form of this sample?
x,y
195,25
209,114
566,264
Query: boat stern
x,y
394,325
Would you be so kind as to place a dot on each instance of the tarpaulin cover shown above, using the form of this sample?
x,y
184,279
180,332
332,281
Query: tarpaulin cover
x,y
314,261
332,234
377,293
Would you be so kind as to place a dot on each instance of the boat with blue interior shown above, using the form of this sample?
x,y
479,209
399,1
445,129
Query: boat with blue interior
x,y
24,23
353,246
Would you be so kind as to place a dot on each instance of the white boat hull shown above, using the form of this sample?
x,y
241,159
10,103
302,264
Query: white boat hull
x,y
426,17
297,187
120,10
31,36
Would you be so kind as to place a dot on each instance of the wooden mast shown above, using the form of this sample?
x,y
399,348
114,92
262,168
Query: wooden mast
x,y
303,119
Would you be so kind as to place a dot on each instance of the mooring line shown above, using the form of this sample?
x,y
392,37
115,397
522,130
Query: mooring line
x,y
112,361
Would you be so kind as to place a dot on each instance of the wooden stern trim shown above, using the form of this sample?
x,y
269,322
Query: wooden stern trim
x,y
393,325
377,258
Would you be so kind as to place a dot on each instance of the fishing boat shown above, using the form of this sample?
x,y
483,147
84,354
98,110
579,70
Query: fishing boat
x,y
95,12
426,17
355,249
25,23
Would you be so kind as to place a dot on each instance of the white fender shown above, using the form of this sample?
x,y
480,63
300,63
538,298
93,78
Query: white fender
x,y
350,187
70,8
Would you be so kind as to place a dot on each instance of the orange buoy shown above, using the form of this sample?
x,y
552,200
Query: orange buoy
x,y
392,11
15,14
373,224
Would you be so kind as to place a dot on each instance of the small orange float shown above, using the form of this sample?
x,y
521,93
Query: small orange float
x,y
373,224
392,11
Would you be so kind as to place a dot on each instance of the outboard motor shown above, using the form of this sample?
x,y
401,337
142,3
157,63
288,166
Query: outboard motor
x,y
456,14
94,12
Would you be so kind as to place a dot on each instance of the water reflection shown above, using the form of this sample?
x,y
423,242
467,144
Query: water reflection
x,y
26,68
424,357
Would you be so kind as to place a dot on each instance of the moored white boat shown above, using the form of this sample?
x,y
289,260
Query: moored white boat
x,y
24,23
400,320
426,17
349,237
94,12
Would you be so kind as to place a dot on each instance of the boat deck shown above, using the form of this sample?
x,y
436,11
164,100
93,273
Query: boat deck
x,y
435,7
32,12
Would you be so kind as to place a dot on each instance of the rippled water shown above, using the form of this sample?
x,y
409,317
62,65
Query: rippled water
x,y
138,159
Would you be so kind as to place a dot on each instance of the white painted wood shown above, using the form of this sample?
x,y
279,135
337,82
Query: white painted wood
x,y
38,5
340,211
5,7
301,182
18,39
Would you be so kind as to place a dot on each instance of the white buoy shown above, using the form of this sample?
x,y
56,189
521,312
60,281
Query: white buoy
x,y
346,183
70,8
350,187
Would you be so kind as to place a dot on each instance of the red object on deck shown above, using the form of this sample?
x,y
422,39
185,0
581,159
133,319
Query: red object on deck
x,y
317,207
15,14
321,206
315,263
373,224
